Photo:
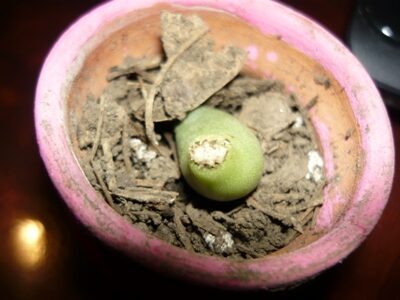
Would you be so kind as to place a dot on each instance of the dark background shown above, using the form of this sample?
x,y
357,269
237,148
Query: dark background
x,y
77,265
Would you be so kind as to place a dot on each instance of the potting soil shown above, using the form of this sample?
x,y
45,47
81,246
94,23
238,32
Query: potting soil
x,y
128,149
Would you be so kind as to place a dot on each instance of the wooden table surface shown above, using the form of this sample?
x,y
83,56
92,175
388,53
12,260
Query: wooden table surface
x,y
78,266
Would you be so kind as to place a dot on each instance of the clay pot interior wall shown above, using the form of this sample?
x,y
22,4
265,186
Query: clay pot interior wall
x,y
137,34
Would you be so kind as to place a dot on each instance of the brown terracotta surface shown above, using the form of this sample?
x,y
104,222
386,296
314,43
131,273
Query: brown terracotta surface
x,y
78,266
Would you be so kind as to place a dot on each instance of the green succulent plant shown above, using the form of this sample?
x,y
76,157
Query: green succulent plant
x,y
218,156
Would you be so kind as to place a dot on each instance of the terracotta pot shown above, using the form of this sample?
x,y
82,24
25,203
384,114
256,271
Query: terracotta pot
x,y
350,120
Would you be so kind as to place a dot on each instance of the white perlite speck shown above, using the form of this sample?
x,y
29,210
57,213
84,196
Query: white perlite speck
x,y
143,153
209,239
298,122
228,242
314,166
221,244
209,152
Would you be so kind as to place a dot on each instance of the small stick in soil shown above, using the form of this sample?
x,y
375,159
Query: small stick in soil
x,y
146,195
180,229
246,250
146,76
279,135
204,221
311,203
220,216
235,210
171,143
143,212
311,103
315,215
323,80
149,124
291,197
307,216
273,149
142,87
98,129
284,218
99,175
134,85
149,183
125,148
110,166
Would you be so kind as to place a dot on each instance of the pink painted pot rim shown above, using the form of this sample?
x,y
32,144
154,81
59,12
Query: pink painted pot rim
x,y
272,271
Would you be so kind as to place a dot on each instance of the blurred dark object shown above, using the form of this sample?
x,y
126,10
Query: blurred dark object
x,y
374,37
391,99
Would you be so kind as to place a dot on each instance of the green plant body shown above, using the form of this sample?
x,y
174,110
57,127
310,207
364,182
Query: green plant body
x,y
219,157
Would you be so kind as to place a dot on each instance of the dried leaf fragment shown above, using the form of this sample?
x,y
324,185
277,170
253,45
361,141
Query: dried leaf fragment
x,y
146,195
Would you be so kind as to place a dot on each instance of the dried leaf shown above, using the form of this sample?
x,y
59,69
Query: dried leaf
x,y
151,93
177,29
146,195
197,75
238,90
132,65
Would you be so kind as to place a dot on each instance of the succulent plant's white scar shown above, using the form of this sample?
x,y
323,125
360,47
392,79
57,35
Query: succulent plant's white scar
x,y
209,152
